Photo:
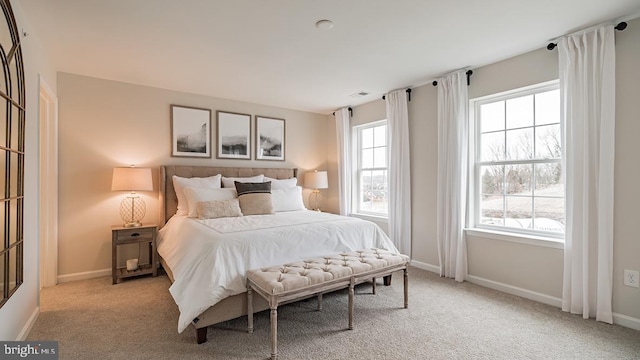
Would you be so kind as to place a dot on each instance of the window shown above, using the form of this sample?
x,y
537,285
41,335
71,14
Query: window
x,y
12,117
519,183
371,183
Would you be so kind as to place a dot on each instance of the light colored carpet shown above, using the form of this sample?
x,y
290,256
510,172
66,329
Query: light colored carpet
x,y
137,319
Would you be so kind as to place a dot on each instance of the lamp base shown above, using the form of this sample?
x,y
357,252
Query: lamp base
x,y
315,200
132,210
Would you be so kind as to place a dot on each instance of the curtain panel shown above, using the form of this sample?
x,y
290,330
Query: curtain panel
x,y
587,88
453,164
343,131
399,171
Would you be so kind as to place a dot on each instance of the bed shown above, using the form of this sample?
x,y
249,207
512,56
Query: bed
x,y
208,294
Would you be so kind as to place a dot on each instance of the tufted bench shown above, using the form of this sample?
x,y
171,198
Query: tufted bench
x,y
299,280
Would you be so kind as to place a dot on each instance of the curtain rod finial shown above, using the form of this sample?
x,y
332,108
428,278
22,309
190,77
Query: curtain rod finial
x,y
551,46
621,26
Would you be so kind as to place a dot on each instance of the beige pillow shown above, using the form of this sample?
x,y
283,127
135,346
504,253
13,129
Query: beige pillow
x,y
255,198
196,195
218,209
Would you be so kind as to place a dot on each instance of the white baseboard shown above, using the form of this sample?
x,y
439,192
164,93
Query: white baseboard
x,y
22,336
84,275
425,266
514,290
509,289
626,321
618,319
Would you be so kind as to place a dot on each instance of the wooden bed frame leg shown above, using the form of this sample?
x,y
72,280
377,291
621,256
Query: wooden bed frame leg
x,y
201,334
387,280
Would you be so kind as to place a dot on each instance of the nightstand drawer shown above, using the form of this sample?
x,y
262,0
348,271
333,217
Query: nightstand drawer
x,y
135,234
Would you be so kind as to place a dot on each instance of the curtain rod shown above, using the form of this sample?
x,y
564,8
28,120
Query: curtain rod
x,y
620,27
408,95
350,112
468,73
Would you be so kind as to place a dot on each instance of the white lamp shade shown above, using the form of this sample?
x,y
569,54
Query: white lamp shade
x,y
132,179
316,180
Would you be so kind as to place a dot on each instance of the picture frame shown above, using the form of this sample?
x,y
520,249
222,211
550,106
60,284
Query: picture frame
x,y
234,135
270,138
190,132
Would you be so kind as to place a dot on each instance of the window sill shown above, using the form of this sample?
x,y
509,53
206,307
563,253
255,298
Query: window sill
x,y
517,238
369,217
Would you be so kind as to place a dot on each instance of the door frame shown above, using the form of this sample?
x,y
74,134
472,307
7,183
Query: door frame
x,y
48,184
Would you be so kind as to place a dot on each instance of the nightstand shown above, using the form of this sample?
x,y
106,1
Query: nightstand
x,y
141,235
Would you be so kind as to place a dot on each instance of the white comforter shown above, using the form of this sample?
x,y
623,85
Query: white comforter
x,y
209,258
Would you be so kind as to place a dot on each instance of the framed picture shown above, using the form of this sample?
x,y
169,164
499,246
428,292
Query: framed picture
x,y
234,135
269,138
190,132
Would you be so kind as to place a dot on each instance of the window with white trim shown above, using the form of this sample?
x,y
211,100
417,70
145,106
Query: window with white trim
x,y
371,185
519,184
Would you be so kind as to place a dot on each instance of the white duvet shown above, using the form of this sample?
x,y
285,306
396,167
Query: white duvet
x,y
209,258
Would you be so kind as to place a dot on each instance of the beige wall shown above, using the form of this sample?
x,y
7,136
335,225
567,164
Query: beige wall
x,y
19,313
626,243
104,124
423,138
519,267
539,269
533,268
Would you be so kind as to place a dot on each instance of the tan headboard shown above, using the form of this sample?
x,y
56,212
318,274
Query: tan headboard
x,y
167,195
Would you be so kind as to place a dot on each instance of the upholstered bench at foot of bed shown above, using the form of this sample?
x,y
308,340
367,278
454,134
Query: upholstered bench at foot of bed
x,y
303,279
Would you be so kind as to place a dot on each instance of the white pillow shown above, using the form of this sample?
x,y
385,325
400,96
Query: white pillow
x,y
180,183
196,195
229,182
287,199
281,184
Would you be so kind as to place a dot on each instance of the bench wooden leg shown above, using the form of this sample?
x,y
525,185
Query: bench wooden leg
x,y
351,305
201,335
387,280
274,333
373,286
250,310
320,302
406,288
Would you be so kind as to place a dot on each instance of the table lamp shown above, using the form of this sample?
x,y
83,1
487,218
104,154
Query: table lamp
x,y
132,207
316,180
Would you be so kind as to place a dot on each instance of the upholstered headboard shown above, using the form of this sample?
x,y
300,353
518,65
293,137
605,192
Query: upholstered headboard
x,y
167,195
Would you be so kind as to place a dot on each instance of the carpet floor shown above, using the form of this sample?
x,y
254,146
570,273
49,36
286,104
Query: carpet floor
x,y
137,319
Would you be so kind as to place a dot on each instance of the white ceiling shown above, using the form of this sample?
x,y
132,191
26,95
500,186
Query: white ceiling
x,y
269,51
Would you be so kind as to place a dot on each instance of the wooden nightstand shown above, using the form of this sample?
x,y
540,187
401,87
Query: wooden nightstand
x,y
145,234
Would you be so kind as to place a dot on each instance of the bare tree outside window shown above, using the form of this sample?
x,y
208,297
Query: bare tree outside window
x,y
518,161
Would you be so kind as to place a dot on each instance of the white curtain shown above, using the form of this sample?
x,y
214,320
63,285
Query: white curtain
x,y
343,131
587,87
453,163
399,171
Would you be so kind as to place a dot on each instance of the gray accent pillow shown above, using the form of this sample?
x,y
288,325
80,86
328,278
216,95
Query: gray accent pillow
x,y
255,198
